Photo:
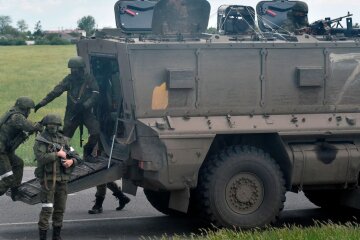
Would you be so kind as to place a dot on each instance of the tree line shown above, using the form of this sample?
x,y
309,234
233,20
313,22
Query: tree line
x,y
18,33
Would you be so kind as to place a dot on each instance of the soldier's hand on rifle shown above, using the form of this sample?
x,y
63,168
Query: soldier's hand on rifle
x,y
67,163
61,153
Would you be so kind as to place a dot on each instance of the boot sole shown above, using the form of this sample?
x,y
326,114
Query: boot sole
x,y
95,212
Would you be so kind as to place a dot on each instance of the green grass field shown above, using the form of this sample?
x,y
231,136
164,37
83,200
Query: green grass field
x,y
329,231
33,71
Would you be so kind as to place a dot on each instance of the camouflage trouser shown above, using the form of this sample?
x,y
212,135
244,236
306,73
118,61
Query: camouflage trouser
x,y
90,122
11,171
101,189
53,203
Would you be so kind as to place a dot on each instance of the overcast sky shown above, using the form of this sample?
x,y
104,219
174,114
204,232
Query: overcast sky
x,y
63,14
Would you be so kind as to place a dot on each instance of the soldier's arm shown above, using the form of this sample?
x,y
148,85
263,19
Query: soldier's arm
x,y
95,93
42,155
56,92
19,121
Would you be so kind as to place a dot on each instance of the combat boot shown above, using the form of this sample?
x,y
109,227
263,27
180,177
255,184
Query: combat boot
x,y
97,208
56,233
123,200
14,194
42,234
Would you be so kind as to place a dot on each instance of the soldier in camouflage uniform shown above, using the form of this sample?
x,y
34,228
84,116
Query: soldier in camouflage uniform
x,y
82,93
53,170
296,18
14,127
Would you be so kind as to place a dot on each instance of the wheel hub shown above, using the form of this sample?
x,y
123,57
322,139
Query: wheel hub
x,y
244,193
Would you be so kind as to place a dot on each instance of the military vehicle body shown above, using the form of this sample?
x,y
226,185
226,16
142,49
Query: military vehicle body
x,y
264,116
223,125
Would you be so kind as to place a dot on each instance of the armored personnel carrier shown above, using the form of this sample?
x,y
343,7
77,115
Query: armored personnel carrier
x,y
224,125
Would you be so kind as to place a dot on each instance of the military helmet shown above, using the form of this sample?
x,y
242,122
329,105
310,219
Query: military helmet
x,y
25,103
76,62
52,119
300,7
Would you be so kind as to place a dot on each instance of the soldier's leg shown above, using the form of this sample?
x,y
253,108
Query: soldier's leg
x,y
18,169
47,201
7,178
93,127
60,198
100,191
100,196
70,125
123,199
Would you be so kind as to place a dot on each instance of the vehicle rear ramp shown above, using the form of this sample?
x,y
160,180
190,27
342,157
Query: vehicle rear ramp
x,y
84,176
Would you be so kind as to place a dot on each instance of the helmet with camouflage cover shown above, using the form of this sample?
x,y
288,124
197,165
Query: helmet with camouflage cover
x,y
53,119
25,103
76,62
300,7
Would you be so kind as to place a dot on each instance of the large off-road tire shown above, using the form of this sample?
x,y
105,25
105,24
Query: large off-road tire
x,y
327,199
160,201
241,187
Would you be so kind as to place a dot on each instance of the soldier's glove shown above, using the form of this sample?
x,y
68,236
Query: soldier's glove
x,y
37,107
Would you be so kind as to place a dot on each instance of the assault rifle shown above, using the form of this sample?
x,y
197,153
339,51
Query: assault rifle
x,y
55,147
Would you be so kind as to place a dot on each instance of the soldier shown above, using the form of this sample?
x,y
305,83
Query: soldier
x,y
54,167
296,18
100,197
82,93
14,129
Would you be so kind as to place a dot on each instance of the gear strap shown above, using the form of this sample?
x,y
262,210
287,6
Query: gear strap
x,y
81,92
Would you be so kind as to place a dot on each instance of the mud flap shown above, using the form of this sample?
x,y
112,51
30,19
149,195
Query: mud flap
x,y
179,200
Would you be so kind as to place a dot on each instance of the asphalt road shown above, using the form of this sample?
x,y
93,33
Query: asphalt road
x,y
138,220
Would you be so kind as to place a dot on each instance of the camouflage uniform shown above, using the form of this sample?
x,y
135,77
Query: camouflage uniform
x,y
53,179
82,92
294,22
13,126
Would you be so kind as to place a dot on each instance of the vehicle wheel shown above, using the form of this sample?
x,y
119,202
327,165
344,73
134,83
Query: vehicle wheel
x,y
241,187
160,201
325,198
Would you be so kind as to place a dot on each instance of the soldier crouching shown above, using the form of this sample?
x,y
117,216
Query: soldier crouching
x,y
54,167
14,129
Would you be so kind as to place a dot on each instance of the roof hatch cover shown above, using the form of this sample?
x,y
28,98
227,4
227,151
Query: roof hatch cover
x,y
134,16
180,16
